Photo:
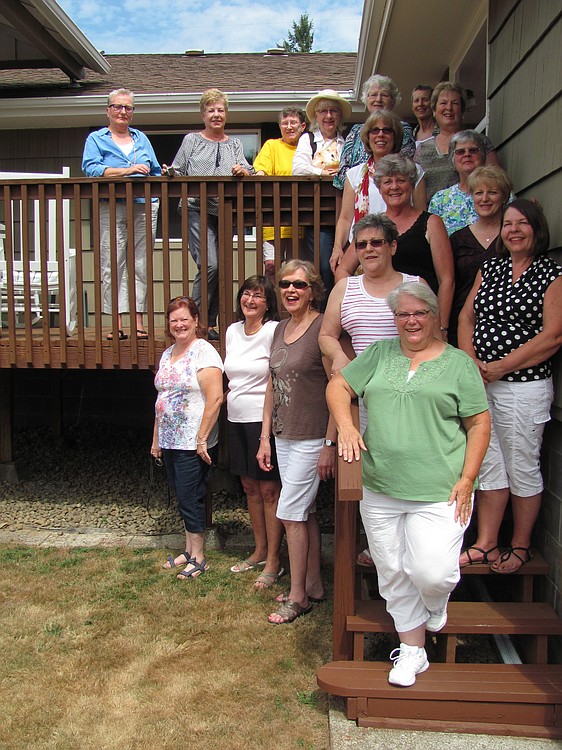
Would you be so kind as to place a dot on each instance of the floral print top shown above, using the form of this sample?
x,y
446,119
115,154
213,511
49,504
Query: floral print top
x,y
180,403
455,207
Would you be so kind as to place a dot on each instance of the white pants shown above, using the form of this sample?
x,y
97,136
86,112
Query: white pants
x,y
141,246
298,468
519,413
416,548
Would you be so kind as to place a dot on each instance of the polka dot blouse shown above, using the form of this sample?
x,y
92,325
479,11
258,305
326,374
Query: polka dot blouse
x,y
508,315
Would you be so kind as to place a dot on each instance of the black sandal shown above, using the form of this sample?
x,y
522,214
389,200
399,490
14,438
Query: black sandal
x,y
504,557
171,563
485,553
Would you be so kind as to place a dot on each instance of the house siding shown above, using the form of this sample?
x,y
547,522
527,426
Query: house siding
x,y
524,87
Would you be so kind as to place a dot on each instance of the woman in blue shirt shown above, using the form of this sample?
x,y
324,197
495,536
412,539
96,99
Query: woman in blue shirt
x,y
121,151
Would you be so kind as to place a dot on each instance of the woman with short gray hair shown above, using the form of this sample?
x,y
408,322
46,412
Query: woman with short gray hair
x,y
467,152
378,92
117,150
433,396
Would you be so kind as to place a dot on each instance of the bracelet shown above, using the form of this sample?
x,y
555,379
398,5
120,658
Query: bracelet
x,y
443,329
265,437
201,442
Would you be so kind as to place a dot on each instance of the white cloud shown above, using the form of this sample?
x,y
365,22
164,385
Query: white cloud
x,y
224,26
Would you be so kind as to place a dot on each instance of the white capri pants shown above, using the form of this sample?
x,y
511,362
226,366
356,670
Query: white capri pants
x,y
416,548
139,230
298,468
519,412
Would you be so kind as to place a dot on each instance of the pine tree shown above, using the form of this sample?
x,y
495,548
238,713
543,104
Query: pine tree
x,y
301,38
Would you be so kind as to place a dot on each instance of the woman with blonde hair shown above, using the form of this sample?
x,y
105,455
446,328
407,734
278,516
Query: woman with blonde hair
x,y
206,154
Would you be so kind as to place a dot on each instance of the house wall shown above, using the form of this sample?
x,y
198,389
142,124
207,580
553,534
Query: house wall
x,y
524,89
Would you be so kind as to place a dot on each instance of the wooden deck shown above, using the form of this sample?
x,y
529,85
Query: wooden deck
x,y
87,349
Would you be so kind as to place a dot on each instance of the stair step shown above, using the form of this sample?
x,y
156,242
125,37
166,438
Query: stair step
x,y
538,566
522,700
532,622
510,618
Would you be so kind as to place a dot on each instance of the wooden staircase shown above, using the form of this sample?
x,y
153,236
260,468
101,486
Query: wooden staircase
x,y
504,699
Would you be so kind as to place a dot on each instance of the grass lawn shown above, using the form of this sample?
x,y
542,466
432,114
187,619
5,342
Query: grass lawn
x,y
102,649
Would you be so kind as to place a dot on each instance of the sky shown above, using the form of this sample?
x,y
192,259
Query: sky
x,y
150,26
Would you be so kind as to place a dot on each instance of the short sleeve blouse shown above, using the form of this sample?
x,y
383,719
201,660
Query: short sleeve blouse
x,y
508,315
180,402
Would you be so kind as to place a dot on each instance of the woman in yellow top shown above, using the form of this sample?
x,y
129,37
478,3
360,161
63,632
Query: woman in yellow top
x,y
276,158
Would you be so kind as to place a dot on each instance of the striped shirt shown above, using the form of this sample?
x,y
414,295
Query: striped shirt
x,y
367,319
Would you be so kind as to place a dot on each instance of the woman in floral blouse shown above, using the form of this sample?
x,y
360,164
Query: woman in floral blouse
x,y
189,385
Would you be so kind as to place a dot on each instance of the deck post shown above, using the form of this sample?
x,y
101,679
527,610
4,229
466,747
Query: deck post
x,y
8,470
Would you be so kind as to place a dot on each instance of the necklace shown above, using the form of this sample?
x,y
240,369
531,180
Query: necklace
x,y
252,333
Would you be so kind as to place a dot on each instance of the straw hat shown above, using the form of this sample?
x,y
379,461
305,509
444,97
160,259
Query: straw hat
x,y
333,96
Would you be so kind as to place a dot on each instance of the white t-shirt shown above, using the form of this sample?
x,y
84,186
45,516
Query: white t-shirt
x,y
247,367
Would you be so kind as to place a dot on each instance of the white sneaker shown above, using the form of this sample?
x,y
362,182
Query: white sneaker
x,y
408,662
437,620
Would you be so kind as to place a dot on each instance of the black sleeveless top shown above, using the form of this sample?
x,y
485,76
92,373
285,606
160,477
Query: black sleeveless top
x,y
413,254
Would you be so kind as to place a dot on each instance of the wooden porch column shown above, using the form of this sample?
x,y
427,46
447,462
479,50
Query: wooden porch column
x,y
8,471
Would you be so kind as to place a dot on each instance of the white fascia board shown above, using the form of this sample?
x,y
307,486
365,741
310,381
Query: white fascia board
x,y
177,108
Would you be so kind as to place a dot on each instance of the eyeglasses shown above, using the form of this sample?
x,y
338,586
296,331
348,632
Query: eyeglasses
x,y
403,317
250,295
118,107
384,131
298,284
328,111
364,244
462,151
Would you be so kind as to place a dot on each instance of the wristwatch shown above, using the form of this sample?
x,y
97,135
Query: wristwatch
x,y
330,443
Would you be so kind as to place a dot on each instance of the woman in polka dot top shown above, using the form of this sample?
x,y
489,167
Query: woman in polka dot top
x,y
511,324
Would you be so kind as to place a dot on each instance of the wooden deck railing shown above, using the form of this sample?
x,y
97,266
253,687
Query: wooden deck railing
x,y
50,265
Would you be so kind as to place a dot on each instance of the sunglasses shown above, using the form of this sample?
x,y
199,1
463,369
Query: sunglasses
x,y
384,131
462,151
364,244
298,284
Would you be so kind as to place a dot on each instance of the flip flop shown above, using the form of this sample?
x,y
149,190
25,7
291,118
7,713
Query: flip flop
x,y
268,579
509,552
244,566
484,559
289,611
142,335
282,598
171,563
121,335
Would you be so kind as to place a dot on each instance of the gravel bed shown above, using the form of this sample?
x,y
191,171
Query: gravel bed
x,y
99,477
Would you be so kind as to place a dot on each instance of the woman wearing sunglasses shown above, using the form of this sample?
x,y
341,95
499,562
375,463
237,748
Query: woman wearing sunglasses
x,y
248,343
118,150
427,432
381,135
423,247
189,385
295,415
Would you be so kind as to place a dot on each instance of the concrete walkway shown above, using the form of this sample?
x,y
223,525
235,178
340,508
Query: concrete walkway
x,y
344,734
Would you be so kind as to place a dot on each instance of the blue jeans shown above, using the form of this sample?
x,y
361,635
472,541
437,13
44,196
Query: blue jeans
x,y
194,237
189,476
327,235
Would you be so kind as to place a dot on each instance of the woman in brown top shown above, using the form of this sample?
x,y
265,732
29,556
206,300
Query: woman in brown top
x,y
295,412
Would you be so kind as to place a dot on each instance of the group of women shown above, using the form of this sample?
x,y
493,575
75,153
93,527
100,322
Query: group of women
x,y
281,440
436,420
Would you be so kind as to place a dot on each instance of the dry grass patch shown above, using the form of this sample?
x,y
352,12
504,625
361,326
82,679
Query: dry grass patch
x,y
101,649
